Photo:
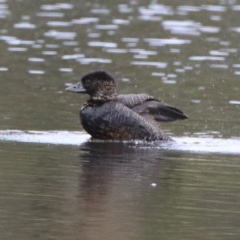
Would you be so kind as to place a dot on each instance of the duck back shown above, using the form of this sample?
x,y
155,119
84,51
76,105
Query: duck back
x,y
113,120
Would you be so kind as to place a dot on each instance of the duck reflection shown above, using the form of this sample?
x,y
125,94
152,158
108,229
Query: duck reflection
x,y
115,182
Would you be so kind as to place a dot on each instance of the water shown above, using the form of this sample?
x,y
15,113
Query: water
x,y
56,183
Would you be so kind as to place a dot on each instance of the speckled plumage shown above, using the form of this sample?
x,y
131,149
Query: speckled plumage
x,y
109,116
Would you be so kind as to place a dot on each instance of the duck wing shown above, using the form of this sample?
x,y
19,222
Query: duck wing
x,y
149,107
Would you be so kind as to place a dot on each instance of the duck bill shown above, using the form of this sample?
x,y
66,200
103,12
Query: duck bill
x,y
76,88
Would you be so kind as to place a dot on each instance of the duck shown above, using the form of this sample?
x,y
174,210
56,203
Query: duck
x,y
109,116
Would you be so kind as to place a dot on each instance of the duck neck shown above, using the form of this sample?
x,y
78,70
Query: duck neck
x,y
105,95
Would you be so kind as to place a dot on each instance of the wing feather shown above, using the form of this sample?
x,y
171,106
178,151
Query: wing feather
x,y
146,105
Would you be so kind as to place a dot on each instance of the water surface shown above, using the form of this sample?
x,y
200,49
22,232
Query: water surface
x,y
56,183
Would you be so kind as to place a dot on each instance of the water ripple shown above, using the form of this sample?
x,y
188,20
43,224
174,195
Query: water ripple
x,y
186,8
36,59
102,44
206,58
234,102
57,6
58,24
184,144
163,42
17,49
100,11
155,64
24,25
107,27
36,72
209,29
60,35
85,20
74,56
156,9
214,8
93,60
121,21
182,27
50,14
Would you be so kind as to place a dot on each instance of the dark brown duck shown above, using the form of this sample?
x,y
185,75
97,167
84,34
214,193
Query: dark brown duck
x,y
109,116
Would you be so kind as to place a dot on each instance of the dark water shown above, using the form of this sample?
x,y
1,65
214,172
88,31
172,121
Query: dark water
x,y
56,184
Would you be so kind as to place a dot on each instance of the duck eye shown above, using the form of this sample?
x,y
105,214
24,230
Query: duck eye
x,y
87,82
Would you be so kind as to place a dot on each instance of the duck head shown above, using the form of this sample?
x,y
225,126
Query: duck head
x,y
98,85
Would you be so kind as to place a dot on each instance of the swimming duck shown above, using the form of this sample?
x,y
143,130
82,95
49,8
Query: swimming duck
x,y
109,116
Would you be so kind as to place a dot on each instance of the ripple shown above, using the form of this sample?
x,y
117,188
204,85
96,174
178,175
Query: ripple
x,y
123,8
6,38
103,44
224,43
221,66
73,56
218,53
234,102
134,40
39,72
57,6
156,9
188,67
236,29
182,27
210,29
143,52
166,81
93,60
139,56
85,20
70,43
179,70
94,35
37,46
100,11
17,49
52,46
206,58
172,75
65,70
25,25
236,65
51,137
49,53
107,27
158,74
4,12
184,144
50,14
214,8
186,8
231,50
207,145
15,41
163,42
216,18
36,59
121,21
155,64
116,50
58,24
236,8
150,18
3,69
60,35
195,101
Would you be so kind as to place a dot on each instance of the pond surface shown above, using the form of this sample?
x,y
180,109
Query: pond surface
x,y
56,183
